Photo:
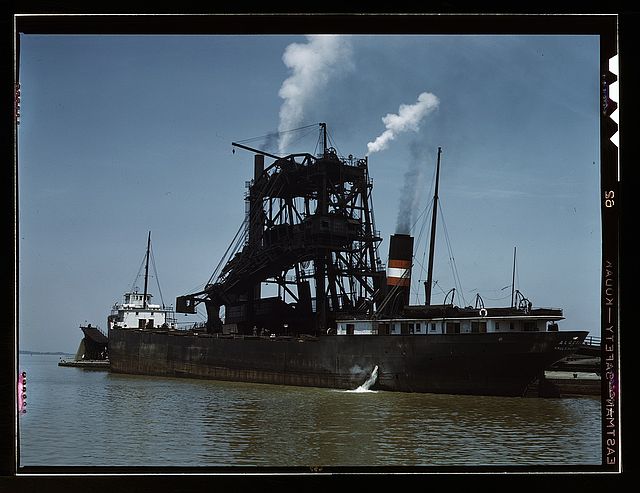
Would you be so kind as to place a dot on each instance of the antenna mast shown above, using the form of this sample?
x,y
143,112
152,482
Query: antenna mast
x,y
323,126
513,278
432,243
146,272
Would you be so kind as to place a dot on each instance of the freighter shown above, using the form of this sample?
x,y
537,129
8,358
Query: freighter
x,y
339,316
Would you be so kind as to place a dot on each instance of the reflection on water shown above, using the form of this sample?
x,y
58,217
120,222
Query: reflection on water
x,y
79,417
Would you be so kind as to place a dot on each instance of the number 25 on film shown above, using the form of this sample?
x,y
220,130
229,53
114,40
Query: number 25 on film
x,y
608,198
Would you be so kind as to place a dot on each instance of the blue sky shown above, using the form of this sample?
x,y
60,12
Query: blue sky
x,y
121,135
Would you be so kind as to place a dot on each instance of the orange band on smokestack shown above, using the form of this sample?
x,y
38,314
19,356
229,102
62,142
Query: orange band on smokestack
x,y
399,281
400,264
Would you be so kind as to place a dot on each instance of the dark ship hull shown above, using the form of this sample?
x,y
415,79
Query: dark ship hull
x,y
502,364
309,230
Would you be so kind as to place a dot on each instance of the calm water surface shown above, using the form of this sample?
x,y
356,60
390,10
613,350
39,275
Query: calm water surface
x,y
79,417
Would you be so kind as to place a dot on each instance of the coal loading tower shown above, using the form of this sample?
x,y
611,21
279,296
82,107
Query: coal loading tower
x,y
309,231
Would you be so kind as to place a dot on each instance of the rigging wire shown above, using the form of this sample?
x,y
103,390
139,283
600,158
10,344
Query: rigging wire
x,y
454,268
316,148
241,235
294,142
135,280
275,134
155,272
233,247
424,212
332,143
437,285
424,215
233,241
516,284
497,299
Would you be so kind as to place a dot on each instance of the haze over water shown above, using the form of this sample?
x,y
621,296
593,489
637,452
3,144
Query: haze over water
x,y
94,418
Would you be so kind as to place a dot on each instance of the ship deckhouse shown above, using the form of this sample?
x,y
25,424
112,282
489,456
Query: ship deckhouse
x,y
137,312
478,324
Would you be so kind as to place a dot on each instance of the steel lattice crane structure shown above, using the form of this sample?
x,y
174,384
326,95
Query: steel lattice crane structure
x,y
309,228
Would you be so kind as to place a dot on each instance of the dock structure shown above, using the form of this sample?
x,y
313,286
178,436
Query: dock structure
x,y
585,359
92,352
575,383
576,375
565,384
89,364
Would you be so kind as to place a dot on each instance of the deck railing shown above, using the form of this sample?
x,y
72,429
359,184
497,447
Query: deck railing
x,y
95,327
191,326
592,341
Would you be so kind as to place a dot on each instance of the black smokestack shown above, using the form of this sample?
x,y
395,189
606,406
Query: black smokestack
x,y
399,270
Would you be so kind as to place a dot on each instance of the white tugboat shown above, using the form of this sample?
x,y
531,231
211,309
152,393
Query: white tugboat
x,y
136,310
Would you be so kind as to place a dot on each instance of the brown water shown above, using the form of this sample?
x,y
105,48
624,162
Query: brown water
x,y
94,418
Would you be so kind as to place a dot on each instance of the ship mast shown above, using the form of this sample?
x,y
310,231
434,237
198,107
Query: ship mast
x,y
146,272
432,242
513,278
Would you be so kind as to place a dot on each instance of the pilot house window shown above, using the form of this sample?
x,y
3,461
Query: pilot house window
x,y
406,328
453,328
479,327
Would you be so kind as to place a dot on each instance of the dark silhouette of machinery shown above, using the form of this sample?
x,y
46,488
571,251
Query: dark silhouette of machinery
x,y
309,228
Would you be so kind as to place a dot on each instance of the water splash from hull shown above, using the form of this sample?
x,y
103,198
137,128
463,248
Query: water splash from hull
x,y
366,386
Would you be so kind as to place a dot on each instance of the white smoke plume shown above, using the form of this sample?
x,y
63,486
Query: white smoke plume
x,y
409,194
312,65
409,117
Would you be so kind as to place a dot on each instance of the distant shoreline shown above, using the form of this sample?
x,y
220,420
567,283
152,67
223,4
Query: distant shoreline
x,y
59,353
